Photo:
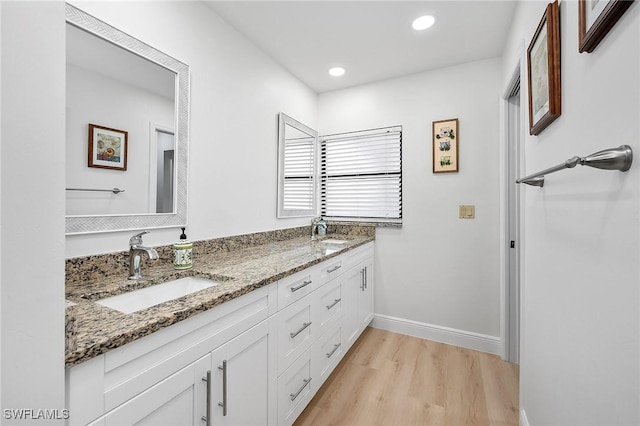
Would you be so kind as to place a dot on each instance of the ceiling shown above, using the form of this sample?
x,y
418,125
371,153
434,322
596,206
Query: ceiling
x,y
373,40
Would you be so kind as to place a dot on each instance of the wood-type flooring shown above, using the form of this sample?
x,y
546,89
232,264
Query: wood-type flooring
x,y
392,379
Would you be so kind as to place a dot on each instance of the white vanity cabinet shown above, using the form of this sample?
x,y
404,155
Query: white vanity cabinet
x,y
168,366
313,331
255,360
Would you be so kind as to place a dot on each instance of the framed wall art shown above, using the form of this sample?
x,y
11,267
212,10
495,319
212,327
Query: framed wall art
x,y
445,142
595,20
543,60
107,147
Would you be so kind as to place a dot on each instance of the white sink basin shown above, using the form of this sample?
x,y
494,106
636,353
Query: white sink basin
x,y
137,300
332,241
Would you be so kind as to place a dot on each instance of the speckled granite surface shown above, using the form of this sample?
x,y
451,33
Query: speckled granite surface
x,y
240,264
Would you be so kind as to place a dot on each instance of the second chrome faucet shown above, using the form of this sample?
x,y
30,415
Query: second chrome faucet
x,y
135,251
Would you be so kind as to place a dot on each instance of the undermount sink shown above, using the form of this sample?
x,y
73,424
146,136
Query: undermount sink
x,y
332,241
137,300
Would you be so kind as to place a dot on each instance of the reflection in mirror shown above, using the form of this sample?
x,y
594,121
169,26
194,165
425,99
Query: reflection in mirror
x,y
296,168
115,81
111,87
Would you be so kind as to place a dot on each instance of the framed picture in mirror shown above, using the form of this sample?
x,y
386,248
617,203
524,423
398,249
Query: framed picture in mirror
x,y
107,147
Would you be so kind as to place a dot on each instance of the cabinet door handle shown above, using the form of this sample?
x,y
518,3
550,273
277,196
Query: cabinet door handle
x,y
304,326
334,269
366,277
304,284
304,385
362,279
207,380
335,302
335,348
223,404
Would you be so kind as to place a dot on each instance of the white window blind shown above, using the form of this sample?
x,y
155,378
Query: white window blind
x,y
361,175
298,173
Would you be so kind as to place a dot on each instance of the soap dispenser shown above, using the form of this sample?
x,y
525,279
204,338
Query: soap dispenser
x,y
183,253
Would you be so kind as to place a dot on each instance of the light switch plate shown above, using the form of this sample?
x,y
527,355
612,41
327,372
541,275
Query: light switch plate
x,y
467,211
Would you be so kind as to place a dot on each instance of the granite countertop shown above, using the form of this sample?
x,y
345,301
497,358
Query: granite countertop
x,y
97,329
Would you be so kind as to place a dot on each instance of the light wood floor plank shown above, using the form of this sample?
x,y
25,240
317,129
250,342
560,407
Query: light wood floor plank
x,y
393,379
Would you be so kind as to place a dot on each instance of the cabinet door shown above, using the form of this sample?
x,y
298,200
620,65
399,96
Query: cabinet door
x,y
365,300
171,402
243,383
350,300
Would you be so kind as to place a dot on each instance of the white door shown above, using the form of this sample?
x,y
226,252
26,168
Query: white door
x,y
513,261
241,379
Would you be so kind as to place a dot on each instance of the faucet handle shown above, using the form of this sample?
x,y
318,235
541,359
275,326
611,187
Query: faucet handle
x,y
137,239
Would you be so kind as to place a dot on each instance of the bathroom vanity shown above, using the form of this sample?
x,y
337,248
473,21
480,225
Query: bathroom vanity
x,y
251,349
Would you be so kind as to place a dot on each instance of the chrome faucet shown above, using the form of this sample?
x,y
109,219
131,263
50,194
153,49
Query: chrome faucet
x,y
314,227
135,250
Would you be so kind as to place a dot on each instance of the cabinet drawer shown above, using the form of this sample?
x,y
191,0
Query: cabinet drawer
x,y
327,352
329,303
296,286
331,269
296,331
295,389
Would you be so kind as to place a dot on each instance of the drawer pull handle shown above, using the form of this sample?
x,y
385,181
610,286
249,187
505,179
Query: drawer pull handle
x,y
304,284
304,385
223,404
335,348
335,302
207,380
304,326
334,269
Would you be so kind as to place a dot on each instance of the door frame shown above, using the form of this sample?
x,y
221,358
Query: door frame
x,y
517,78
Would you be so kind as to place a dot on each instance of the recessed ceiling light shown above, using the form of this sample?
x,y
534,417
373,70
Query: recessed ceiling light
x,y
337,71
423,22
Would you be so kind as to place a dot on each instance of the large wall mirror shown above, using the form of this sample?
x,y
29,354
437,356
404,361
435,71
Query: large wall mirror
x,y
297,177
126,129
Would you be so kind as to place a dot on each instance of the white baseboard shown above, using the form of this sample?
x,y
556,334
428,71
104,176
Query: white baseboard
x,y
450,336
523,418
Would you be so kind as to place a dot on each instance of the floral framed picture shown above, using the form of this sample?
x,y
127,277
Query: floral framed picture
x,y
543,59
595,20
107,147
445,150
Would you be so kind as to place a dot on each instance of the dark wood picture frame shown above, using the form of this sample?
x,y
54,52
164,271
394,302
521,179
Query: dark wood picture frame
x,y
543,68
589,38
107,147
445,146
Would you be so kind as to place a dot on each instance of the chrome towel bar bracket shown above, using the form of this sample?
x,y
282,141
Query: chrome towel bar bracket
x,y
609,159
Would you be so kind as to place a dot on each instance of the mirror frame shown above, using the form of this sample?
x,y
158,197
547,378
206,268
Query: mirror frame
x,y
86,224
283,121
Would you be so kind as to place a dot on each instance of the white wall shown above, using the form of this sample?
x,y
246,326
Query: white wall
x,y
437,269
236,94
581,299
32,224
98,99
